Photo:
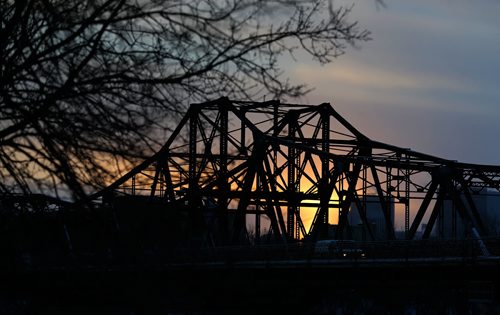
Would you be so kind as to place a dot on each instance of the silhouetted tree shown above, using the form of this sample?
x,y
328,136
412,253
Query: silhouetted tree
x,y
86,86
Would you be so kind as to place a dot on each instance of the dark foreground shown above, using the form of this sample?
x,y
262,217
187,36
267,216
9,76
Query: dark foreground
x,y
293,287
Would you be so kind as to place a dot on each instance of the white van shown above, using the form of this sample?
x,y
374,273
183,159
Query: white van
x,y
338,249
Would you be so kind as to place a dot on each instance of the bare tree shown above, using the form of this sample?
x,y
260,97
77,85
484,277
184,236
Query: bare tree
x,y
86,86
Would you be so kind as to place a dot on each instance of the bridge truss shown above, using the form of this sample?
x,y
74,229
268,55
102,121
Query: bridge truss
x,y
234,167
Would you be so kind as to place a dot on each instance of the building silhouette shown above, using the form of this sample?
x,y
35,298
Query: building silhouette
x,y
375,217
451,225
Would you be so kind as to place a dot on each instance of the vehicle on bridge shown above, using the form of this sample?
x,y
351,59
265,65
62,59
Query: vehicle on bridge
x,y
338,249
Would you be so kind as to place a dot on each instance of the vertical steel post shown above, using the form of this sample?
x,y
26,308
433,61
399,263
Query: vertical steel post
x,y
407,199
325,171
363,200
292,126
194,215
133,185
389,188
296,199
243,148
193,120
257,211
223,180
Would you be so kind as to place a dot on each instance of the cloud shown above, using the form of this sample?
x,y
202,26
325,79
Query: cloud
x,y
434,55
363,76
429,79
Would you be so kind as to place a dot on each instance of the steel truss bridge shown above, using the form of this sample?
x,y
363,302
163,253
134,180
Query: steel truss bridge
x,y
173,234
234,166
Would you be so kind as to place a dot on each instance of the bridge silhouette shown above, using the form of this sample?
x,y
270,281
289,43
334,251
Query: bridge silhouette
x,y
229,161
246,190
237,173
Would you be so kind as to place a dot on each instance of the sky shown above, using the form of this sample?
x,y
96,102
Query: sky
x,y
428,80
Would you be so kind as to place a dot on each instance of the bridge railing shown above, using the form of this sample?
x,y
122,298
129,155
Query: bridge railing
x,y
43,258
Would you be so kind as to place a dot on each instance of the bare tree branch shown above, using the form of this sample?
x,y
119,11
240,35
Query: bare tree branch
x,y
88,85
